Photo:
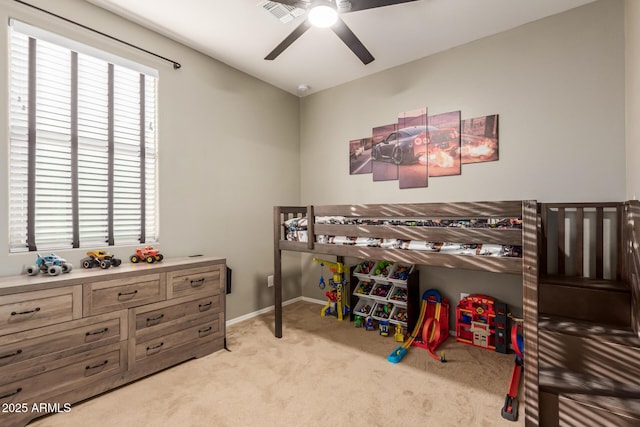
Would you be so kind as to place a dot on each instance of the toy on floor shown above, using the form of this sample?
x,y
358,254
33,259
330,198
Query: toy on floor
x,y
384,328
335,305
436,325
357,321
399,335
481,322
428,325
369,325
397,354
510,408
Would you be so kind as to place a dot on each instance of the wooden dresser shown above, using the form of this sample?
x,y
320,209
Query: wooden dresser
x,y
70,337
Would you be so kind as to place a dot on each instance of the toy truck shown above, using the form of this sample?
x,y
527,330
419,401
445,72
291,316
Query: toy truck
x,y
148,254
50,264
101,259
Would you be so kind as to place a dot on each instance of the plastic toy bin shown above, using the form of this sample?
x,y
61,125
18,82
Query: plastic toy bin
x,y
364,269
399,315
400,272
398,295
381,311
363,308
381,290
381,270
363,288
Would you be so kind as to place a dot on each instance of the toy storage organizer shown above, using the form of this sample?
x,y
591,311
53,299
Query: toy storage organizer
x,y
385,291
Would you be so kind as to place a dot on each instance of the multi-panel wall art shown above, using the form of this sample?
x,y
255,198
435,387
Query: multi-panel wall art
x,y
420,146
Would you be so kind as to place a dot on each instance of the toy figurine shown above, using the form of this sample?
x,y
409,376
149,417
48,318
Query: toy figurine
x,y
101,259
384,328
368,324
336,306
357,320
51,264
148,254
399,336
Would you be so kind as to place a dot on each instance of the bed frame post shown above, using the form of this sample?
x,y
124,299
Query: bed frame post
x,y
311,233
530,237
277,270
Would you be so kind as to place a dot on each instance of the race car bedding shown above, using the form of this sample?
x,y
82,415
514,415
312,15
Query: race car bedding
x,y
297,231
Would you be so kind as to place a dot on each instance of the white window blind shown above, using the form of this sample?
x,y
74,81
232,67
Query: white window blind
x,y
83,154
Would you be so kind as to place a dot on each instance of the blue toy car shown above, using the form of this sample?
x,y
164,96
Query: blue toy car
x,y
50,264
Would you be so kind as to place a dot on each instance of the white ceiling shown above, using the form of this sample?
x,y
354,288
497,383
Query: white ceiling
x,y
241,34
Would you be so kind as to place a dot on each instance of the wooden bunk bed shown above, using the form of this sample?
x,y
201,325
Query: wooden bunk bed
x,y
358,224
580,265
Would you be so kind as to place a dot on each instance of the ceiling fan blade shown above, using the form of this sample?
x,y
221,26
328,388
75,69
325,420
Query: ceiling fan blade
x,y
350,39
372,4
300,29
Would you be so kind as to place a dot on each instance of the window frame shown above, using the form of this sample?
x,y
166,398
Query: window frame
x,y
132,150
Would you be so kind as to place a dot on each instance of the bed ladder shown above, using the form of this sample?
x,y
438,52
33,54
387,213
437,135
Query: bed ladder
x,y
588,305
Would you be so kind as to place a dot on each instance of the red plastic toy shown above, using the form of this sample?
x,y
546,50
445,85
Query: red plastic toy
x,y
476,321
436,324
510,409
148,254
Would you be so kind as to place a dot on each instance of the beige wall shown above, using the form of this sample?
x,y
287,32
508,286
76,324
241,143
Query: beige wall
x,y
633,98
228,152
558,86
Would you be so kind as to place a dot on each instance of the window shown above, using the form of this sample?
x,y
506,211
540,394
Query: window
x,y
83,157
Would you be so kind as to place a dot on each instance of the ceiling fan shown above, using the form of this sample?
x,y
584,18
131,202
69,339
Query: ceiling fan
x,y
326,14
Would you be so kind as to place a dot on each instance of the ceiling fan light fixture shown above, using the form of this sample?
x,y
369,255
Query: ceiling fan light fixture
x,y
323,15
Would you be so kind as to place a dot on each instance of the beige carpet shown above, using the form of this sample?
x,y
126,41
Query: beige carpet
x,y
321,373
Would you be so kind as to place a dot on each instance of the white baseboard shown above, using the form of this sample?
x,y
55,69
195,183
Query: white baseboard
x,y
271,308
285,303
315,301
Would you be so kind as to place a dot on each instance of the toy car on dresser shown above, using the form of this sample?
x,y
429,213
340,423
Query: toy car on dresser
x,y
51,264
148,254
101,259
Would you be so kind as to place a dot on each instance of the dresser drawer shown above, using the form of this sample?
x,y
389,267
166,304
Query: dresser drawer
x,y
111,295
195,280
42,345
35,309
194,336
64,374
171,311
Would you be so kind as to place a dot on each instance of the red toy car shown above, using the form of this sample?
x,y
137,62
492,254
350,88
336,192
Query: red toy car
x,y
148,254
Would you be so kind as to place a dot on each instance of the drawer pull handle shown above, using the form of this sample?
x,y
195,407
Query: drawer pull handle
x,y
155,347
99,365
197,283
127,294
18,390
205,307
154,318
101,331
15,353
22,313
204,331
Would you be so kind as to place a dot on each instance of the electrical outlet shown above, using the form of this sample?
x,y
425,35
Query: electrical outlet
x,y
270,281
463,294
